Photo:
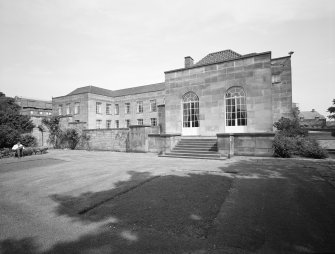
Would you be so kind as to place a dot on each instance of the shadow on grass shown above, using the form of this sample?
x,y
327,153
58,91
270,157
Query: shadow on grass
x,y
151,214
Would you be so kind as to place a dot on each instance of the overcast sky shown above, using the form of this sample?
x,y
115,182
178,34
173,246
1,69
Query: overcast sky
x,y
49,48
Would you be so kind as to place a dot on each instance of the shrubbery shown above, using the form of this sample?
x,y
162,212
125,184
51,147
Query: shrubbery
x,y
28,140
63,138
292,140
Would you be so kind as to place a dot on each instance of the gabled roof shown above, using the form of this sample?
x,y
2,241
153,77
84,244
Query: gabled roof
x,y
92,89
218,57
139,89
310,115
116,93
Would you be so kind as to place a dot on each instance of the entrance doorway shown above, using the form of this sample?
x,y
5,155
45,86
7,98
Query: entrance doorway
x,y
190,107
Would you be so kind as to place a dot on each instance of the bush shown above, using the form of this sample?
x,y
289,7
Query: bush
x,y
290,127
6,152
8,136
310,148
286,147
283,146
72,137
28,151
28,140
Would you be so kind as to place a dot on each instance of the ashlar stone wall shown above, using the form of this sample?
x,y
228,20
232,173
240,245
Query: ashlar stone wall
x,y
211,82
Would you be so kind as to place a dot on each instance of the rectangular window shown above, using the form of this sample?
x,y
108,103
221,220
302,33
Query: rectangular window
x,y
68,109
117,124
60,109
99,124
98,107
127,108
140,107
76,108
139,121
116,110
127,123
41,113
276,78
108,124
108,109
31,112
153,121
153,107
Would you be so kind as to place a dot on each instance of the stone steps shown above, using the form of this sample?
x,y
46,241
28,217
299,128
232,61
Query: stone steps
x,y
195,148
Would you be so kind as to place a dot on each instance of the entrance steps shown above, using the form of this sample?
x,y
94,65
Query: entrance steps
x,y
195,148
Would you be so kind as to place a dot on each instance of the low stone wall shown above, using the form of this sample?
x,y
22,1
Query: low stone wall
x,y
246,144
162,143
138,137
324,137
108,139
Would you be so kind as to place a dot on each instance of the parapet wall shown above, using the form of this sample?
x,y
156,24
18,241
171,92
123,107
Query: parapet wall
x,y
246,144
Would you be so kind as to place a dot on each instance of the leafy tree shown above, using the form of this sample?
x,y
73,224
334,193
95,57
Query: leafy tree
x,y
72,137
12,124
55,132
331,110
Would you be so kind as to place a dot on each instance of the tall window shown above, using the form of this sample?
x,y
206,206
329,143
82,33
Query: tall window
x,y
68,109
98,123
108,124
153,107
76,108
60,110
127,108
153,121
236,109
276,78
117,124
98,107
140,107
190,110
127,123
108,109
139,121
117,109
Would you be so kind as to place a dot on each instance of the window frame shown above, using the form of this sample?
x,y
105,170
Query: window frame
x,y
117,109
153,120
139,107
98,124
153,108
98,108
77,108
236,114
127,109
108,108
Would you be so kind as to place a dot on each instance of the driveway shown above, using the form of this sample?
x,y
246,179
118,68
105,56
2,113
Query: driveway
x,y
108,202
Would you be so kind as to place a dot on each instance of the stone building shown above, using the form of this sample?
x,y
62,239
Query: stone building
x,y
312,119
223,93
37,110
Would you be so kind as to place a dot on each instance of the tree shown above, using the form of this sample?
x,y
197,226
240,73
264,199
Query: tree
x,y
331,110
55,131
12,124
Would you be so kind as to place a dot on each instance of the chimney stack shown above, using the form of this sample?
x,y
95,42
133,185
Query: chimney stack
x,y
313,110
188,61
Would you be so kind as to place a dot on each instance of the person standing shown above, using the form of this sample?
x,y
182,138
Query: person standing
x,y
18,148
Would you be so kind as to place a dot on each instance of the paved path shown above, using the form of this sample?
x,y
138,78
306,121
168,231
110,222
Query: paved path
x,y
105,202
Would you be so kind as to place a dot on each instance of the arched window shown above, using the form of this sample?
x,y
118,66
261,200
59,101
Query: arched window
x,y
190,110
236,108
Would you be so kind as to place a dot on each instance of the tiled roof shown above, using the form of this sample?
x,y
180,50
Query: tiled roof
x,y
92,89
218,57
116,93
310,115
139,89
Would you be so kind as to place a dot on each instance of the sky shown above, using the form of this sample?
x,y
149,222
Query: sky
x,y
49,48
